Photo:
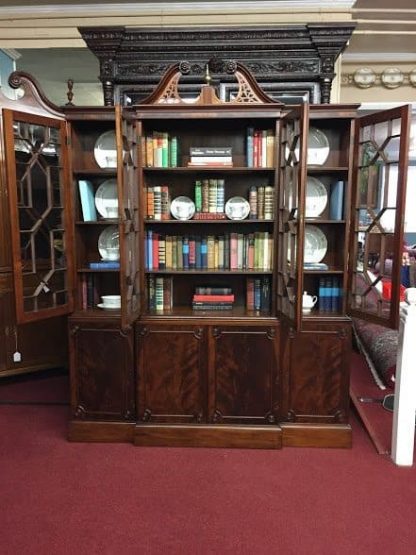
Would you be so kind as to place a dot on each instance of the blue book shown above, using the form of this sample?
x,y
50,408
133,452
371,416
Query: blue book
x,y
336,201
185,253
250,147
204,253
150,250
104,265
86,193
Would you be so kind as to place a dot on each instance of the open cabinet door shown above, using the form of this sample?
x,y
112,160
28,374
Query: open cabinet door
x,y
40,209
128,202
378,201
292,177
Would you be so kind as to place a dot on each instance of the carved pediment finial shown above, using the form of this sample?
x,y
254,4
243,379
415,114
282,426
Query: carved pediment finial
x,y
249,92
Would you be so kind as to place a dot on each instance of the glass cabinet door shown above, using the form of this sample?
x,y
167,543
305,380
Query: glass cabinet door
x,y
128,200
37,173
379,189
292,175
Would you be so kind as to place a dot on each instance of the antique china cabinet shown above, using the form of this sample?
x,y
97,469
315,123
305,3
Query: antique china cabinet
x,y
255,368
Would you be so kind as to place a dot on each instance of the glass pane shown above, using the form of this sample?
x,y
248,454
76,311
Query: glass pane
x,y
288,218
376,218
40,194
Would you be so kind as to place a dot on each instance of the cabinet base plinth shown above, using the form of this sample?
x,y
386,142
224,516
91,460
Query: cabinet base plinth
x,y
106,432
178,435
316,435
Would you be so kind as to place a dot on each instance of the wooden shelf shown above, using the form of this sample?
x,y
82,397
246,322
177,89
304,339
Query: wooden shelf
x,y
99,172
323,221
94,271
193,169
188,312
226,221
210,272
112,221
327,169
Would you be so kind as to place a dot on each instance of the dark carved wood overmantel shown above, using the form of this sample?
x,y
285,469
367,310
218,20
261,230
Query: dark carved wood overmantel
x,y
287,60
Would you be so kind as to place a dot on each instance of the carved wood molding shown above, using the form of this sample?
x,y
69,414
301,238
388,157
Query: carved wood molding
x,y
140,56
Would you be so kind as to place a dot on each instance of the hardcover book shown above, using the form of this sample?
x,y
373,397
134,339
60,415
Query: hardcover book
x,y
86,192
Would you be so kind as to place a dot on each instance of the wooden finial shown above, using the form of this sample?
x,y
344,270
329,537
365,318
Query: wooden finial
x,y
208,77
70,94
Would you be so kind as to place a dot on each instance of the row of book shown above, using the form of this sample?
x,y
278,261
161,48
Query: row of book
x,y
330,294
89,291
258,294
161,150
260,148
232,251
261,200
210,156
160,293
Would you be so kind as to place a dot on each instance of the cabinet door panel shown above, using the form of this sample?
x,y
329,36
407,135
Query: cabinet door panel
x,y
40,212
171,373
102,373
316,374
379,192
243,385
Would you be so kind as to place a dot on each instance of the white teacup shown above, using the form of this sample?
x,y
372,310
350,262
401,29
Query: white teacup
x,y
308,301
111,301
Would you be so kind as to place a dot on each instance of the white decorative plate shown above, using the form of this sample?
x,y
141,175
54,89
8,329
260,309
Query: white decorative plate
x,y
109,243
182,208
106,200
316,244
237,208
105,150
316,197
318,147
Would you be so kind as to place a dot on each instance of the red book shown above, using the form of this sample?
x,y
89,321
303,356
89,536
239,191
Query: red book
x,y
155,249
213,298
192,258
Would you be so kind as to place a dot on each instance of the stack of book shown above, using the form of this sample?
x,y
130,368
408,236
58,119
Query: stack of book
x,y
210,156
213,298
258,294
161,150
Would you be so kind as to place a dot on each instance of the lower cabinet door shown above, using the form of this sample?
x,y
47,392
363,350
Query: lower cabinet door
x,y
244,374
171,373
102,372
315,365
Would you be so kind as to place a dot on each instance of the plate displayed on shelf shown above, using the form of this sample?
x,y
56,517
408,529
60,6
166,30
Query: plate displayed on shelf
x,y
316,244
318,147
105,150
182,208
106,200
109,243
237,208
316,197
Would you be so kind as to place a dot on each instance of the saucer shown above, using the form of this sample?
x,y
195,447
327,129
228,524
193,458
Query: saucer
x,y
102,305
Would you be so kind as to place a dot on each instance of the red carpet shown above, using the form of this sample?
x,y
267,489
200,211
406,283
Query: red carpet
x,y
377,420
63,498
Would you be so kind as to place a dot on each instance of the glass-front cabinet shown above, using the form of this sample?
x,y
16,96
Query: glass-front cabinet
x,y
191,242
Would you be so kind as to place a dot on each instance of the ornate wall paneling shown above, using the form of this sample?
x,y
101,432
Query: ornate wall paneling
x,y
291,63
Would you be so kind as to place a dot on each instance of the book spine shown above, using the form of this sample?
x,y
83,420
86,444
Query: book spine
x,y
212,298
212,196
155,251
165,204
84,297
220,195
149,152
198,196
86,192
173,152
204,253
162,253
250,147
252,199
213,291
212,307
211,151
192,253
159,294
90,291
257,294
205,195
157,190
185,253
151,293
250,294
265,295
150,197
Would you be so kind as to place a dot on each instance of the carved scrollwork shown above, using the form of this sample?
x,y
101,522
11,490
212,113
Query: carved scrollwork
x,y
147,415
271,333
80,412
74,330
270,418
216,332
291,416
217,416
340,416
143,331
198,417
184,67
198,333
